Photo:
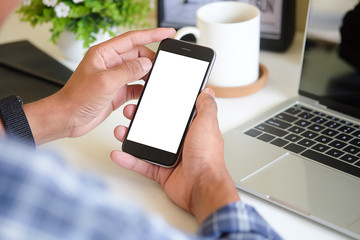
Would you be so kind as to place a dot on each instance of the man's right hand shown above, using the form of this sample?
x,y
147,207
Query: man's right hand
x,y
200,183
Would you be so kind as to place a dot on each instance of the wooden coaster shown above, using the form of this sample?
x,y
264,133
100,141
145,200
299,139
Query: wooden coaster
x,y
232,92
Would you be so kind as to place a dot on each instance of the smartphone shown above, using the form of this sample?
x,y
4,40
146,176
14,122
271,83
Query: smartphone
x,y
167,104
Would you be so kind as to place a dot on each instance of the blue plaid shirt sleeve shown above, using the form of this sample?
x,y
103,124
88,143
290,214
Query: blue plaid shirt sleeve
x,y
237,221
42,198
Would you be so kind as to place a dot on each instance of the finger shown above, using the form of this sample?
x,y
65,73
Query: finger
x,y
120,133
136,69
205,105
129,111
132,163
131,92
116,46
132,39
116,60
129,72
206,111
141,51
134,91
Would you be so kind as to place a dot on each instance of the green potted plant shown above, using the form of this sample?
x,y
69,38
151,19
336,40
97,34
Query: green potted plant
x,y
85,18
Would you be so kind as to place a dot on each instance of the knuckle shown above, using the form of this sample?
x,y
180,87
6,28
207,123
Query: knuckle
x,y
96,49
132,69
207,103
101,49
93,49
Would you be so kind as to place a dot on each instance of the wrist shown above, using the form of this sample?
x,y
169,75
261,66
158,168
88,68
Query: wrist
x,y
47,120
211,192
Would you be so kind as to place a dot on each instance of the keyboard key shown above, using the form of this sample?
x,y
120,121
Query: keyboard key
x,y
266,137
320,114
303,108
332,118
356,134
286,117
278,123
294,148
344,137
332,162
293,137
355,142
320,147
332,124
352,149
323,139
296,129
337,144
330,132
271,130
293,111
346,129
306,115
349,158
319,120
346,123
316,128
306,143
335,153
253,132
309,134
303,123
279,142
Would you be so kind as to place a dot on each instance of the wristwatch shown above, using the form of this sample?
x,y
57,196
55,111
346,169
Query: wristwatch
x,y
15,122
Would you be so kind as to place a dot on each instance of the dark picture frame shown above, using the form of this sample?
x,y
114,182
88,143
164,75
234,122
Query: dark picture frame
x,y
277,19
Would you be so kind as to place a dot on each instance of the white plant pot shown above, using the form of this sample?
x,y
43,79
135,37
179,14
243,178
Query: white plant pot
x,y
73,49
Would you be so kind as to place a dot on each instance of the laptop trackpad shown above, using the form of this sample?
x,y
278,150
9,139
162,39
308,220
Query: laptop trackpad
x,y
309,188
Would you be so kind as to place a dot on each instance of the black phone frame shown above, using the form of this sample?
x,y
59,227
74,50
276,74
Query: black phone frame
x,y
159,156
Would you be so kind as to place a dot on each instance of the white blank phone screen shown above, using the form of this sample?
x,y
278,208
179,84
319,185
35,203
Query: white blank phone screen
x,y
167,101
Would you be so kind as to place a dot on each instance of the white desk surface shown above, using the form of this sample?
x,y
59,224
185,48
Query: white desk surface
x,y
92,151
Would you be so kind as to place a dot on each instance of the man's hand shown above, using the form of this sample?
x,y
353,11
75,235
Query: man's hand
x,y
97,87
200,183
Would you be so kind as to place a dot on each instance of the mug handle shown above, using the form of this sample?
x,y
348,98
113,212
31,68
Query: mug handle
x,y
187,30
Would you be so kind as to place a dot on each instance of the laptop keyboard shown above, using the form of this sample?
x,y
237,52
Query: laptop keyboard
x,y
315,135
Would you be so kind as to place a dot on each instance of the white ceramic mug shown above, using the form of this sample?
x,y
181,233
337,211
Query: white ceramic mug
x,y
232,29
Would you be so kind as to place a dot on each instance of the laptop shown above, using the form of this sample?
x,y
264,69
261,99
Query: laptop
x,y
304,154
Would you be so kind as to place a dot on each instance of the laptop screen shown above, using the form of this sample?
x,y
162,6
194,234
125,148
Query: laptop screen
x,y
331,64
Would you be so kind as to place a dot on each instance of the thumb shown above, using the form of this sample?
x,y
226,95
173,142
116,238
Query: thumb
x,y
206,106
133,70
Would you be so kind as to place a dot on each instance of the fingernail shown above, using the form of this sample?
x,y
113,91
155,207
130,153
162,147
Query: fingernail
x,y
145,64
210,92
173,31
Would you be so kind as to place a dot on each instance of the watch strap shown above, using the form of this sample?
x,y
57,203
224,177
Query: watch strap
x,y
14,120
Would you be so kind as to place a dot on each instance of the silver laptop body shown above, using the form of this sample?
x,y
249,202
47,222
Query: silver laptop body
x,y
304,155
